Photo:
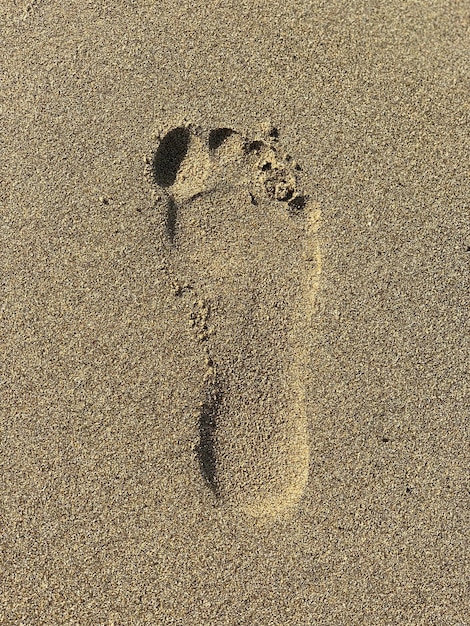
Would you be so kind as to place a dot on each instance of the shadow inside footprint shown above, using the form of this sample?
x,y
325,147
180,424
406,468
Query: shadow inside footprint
x,y
171,217
207,429
169,156
218,136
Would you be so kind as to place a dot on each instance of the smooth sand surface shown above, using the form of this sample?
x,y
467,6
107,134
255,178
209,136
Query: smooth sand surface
x,y
198,427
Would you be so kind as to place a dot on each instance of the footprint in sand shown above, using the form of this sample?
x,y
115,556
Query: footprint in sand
x,y
243,251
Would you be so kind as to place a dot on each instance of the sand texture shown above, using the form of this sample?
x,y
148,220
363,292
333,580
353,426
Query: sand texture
x,y
234,313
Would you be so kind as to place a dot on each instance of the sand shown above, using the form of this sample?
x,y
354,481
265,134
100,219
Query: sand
x,y
234,323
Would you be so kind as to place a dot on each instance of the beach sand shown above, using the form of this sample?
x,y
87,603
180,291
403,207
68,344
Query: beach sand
x,y
234,286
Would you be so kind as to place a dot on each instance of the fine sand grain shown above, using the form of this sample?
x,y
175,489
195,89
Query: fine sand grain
x,y
234,330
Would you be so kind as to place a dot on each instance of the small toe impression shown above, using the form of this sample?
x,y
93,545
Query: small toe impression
x,y
218,136
170,155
